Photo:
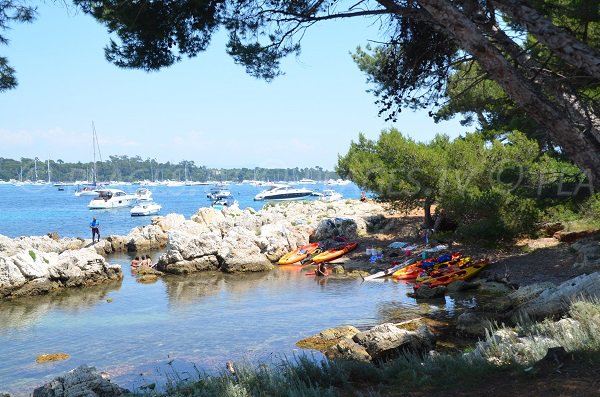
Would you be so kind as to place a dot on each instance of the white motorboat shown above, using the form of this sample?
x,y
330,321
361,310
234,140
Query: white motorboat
x,y
330,195
112,198
283,192
143,194
87,191
224,202
219,193
145,208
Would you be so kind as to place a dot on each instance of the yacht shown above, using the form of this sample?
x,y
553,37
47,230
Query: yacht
x,y
112,198
145,208
283,192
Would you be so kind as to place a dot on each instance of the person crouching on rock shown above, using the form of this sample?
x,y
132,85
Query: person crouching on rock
x,y
321,270
135,262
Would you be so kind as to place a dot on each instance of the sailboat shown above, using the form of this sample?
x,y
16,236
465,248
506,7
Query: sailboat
x,y
90,189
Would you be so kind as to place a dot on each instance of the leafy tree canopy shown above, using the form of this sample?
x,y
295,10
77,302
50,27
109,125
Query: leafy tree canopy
x,y
479,183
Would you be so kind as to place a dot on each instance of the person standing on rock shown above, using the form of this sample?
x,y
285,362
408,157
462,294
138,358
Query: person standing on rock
x,y
95,226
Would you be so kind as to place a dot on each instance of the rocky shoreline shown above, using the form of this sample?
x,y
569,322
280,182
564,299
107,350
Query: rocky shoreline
x,y
235,240
232,240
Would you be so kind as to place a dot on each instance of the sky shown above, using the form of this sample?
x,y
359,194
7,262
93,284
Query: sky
x,y
205,109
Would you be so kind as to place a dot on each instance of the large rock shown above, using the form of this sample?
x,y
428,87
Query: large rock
x,y
387,341
588,255
204,263
276,240
347,349
332,227
32,272
557,300
472,324
196,245
83,381
240,253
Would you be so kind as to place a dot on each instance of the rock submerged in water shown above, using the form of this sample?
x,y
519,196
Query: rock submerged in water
x,y
50,358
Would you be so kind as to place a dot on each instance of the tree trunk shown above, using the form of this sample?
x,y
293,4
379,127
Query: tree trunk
x,y
576,140
558,40
428,219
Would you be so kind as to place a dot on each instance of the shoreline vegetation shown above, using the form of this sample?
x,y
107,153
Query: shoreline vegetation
x,y
132,169
538,304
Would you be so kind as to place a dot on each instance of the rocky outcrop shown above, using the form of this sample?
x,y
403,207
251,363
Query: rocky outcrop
x,y
34,272
387,341
555,300
380,343
82,381
588,255
235,240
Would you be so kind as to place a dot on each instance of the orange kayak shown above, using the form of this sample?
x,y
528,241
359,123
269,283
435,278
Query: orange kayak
x,y
412,272
298,254
465,273
334,253
443,268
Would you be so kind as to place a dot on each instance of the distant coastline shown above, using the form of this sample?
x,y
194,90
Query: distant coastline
x,y
134,169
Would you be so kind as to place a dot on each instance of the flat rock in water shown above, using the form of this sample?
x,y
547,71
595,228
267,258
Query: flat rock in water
x,y
49,358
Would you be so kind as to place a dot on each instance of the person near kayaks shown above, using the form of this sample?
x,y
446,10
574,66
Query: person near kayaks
x,y
321,270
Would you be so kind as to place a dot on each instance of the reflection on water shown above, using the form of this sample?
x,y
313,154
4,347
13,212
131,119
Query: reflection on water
x,y
202,320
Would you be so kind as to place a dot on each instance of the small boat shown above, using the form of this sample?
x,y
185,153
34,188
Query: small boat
x,y
112,198
442,269
306,181
87,191
413,271
283,192
330,195
391,270
221,203
145,208
219,193
465,273
143,194
334,253
298,254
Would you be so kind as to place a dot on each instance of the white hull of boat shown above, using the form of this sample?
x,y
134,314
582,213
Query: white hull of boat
x,y
145,209
112,198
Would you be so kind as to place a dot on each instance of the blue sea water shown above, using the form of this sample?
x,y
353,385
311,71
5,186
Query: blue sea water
x,y
33,210
145,333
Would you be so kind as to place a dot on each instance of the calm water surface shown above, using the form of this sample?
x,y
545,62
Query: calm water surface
x,y
139,333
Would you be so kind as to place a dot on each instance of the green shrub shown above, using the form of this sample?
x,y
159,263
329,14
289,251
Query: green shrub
x,y
32,255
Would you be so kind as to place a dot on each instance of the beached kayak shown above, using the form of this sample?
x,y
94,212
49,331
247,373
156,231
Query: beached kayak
x,y
465,273
412,272
395,267
334,253
298,254
442,269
